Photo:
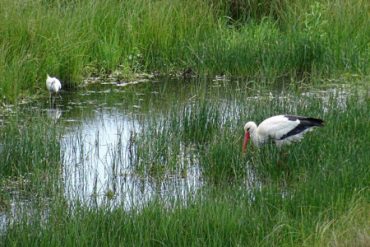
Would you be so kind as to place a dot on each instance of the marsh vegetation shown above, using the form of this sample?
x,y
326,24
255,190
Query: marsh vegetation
x,y
279,39
160,162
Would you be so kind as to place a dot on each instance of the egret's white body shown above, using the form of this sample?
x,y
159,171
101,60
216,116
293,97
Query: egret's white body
x,y
53,85
282,129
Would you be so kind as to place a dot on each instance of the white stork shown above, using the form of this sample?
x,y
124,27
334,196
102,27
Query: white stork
x,y
53,85
283,129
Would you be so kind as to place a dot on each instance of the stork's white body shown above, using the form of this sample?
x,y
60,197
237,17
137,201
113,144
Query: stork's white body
x,y
275,128
282,129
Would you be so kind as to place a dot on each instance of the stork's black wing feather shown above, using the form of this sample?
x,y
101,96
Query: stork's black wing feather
x,y
304,123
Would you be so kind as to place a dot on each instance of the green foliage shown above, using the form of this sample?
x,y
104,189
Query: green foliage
x,y
28,145
257,39
225,217
222,162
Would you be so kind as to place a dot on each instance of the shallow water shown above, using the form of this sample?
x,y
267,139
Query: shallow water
x,y
100,124
98,164
97,148
97,156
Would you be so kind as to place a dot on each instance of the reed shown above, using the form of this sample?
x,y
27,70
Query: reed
x,y
75,39
314,193
28,144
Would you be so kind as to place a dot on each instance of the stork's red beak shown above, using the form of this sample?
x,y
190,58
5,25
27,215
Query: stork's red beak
x,y
245,142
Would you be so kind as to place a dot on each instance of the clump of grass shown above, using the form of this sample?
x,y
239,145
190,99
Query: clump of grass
x,y
28,145
199,121
241,11
183,127
348,229
222,161
30,164
152,156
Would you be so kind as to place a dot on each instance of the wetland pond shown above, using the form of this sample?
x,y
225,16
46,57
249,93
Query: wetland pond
x,y
124,146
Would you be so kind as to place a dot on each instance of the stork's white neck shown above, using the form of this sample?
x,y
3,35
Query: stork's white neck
x,y
252,128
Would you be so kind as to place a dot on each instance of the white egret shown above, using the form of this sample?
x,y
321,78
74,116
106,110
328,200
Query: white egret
x,y
53,85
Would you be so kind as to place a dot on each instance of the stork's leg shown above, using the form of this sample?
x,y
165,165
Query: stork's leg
x,y
283,157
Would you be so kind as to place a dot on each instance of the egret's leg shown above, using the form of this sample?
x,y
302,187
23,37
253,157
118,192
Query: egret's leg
x,y
53,101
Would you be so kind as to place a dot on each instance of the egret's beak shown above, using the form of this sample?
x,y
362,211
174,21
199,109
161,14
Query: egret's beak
x,y
245,142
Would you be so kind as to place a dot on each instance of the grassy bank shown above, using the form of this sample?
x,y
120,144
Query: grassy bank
x,y
312,194
228,218
76,39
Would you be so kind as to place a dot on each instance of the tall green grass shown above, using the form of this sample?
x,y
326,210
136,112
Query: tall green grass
x,y
315,193
30,161
226,217
28,143
75,39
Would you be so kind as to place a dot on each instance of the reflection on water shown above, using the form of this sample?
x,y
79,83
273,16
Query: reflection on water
x,y
98,165
54,114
